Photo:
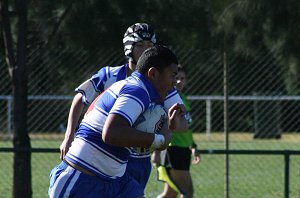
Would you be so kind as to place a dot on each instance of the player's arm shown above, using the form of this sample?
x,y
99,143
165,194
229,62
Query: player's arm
x,y
195,154
73,118
86,93
117,132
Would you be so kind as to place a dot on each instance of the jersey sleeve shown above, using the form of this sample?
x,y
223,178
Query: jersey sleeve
x,y
172,98
133,100
91,88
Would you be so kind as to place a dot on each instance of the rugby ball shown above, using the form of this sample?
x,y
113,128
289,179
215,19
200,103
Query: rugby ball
x,y
151,121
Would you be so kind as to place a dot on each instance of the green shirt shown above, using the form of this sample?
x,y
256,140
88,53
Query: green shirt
x,y
184,139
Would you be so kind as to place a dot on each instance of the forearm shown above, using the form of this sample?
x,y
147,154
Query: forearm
x,y
117,132
74,115
127,137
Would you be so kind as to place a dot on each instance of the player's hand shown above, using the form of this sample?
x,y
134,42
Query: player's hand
x,y
177,121
64,147
196,156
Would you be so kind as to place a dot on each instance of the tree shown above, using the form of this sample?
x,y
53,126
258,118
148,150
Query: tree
x,y
271,25
16,54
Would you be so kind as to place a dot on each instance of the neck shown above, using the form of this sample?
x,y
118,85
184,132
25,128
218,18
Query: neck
x,y
131,68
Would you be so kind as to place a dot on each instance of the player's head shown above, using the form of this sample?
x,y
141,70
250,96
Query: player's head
x,y
159,65
137,38
158,56
180,78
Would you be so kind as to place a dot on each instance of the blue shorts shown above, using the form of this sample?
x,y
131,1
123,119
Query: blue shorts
x,y
73,183
54,174
139,169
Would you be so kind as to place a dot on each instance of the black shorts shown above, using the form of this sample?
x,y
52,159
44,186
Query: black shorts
x,y
178,158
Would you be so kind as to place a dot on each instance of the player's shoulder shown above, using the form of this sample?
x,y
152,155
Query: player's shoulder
x,y
114,68
134,88
110,71
132,83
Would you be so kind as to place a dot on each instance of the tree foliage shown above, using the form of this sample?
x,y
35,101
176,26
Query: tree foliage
x,y
272,25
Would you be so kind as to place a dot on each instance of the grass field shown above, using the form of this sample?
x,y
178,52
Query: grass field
x,y
251,176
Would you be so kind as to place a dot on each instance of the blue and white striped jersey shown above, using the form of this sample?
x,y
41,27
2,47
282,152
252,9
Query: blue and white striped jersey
x,y
100,81
127,98
104,78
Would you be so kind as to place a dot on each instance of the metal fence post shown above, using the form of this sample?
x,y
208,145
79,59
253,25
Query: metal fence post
x,y
208,118
9,116
286,173
226,131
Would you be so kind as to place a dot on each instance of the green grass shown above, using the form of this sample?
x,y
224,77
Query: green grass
x,y
251,176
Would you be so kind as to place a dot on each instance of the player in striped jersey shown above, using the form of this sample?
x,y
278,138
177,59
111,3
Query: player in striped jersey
x,y
96,166
137,38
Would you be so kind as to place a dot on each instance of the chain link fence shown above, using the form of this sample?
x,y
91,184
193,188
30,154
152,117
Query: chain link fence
x,y
259,102
263,114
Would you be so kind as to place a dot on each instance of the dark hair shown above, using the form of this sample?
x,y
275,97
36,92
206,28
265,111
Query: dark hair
x,y
157,56
180,68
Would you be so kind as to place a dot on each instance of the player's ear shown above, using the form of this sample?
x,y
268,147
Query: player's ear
x,y
152,73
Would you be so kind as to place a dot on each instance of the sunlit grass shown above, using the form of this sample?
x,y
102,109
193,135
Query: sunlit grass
x,y
251,176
